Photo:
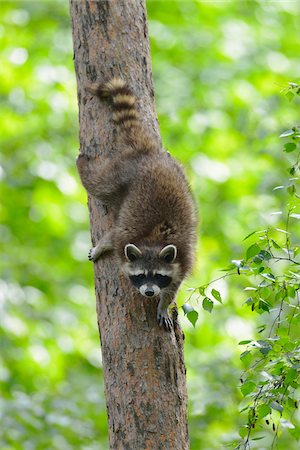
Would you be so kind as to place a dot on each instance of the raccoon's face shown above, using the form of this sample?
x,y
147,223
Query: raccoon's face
x,y
150,269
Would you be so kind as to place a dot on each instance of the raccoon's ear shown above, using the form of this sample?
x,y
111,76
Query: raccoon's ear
x,y
168,253
132,252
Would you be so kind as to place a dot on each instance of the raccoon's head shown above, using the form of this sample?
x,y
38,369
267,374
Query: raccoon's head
x,y
151,269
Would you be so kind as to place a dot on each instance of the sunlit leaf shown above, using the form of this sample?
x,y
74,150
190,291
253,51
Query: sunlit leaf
x,y
290,147
295,216
192,317
263,410
291,375
281,230
202,290
243,431
207,304
249,235
286,424
252,251
276,406
269,276
216,294
275,244
287,133
248,387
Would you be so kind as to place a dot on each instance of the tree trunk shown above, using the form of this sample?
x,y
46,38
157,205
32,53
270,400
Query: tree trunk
x,y
144,371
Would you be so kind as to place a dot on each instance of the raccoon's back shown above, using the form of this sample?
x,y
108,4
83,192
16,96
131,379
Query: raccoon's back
x,y
159,207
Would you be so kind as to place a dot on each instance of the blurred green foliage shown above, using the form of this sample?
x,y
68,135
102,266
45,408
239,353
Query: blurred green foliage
x,y
218,70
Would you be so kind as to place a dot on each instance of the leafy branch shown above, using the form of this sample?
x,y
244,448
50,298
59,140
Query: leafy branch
x,y
270,382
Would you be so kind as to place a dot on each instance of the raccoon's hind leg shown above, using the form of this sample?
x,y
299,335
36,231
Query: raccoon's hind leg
x,y
101,178
105,245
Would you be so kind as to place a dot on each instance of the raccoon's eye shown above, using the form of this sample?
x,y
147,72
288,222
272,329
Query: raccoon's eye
x,y
161,277
162,280
141,276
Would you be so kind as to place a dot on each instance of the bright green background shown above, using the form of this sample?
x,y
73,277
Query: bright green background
x,y
218,70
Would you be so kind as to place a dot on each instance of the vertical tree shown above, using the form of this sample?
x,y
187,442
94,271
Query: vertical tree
x,y
144,371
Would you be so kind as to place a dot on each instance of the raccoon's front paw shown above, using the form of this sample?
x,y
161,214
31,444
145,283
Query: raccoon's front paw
x,y
165,320
93,256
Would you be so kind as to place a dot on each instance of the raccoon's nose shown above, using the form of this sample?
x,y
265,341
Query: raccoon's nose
x,y
149,292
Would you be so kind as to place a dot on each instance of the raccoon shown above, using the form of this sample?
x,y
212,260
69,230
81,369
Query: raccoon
x,y
154,231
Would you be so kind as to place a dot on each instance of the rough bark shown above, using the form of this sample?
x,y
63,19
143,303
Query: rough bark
x,y
144,371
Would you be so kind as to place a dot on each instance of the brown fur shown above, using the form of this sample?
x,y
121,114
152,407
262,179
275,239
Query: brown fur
x,y
144,185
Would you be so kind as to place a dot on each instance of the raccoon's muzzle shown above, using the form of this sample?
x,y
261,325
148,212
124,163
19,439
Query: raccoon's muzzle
x,y
149,292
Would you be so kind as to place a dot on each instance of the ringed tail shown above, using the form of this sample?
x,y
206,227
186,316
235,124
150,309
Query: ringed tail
x,y
123,101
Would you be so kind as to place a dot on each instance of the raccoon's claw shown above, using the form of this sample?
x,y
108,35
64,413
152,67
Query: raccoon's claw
x,y
165,320
92,254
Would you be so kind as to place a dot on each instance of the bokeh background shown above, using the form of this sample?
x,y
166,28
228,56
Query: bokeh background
x,y
218,71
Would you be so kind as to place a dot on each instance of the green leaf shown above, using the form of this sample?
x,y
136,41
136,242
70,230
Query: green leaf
x,y
287,133
243,431
291,402
248,235
290,147
295,433
192,317
281,231
276,406
263,410
291,291
269,276
244,409
202,290
290,95
261,328
249,301
244,354
252,251
264,347
263,305
191,313
246,357
264,255
292,170
275,244
216,294
264,292
207,304
286,424
245,342
291,375
248,387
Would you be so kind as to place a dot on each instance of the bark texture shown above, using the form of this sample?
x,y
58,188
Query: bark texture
x,y
144,371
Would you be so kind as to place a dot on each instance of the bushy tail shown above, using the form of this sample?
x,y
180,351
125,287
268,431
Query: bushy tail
x,y
125,113
126,116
